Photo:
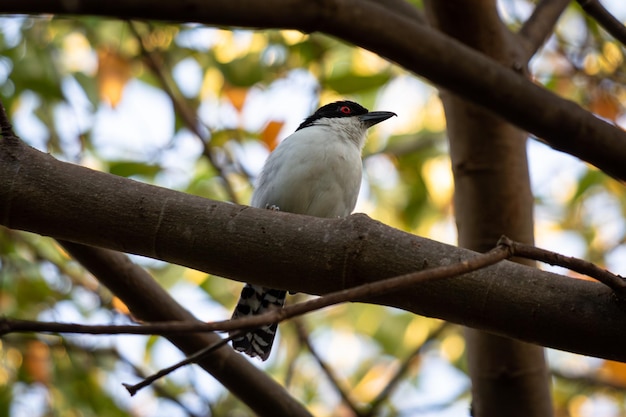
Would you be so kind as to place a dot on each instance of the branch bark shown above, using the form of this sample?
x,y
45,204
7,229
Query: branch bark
x,y
69,202
492,196
360,292
469,74
540,25
604,18
149,302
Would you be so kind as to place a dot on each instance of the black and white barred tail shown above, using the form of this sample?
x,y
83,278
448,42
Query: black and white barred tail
x,y
255,300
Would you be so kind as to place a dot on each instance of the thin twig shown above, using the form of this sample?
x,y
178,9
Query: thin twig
x,y
360,292
162,391
8,325
401,372
615,282
132,389
303,336
605,19
182,109
505,249
386,286
498,254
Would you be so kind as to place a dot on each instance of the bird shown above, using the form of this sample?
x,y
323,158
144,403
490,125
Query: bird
x,y
314,171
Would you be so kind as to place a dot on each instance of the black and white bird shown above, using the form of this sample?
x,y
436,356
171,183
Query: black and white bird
x,y
315,171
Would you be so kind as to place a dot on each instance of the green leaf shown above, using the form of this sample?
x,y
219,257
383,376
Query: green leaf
x,y
130,168
352,83
244,71
590,179
90,87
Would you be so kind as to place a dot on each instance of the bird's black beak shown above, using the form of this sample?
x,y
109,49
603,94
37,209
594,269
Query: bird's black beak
x,y
375,117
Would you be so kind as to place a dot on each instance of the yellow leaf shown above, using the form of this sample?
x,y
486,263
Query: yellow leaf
x,y
197,277
374,381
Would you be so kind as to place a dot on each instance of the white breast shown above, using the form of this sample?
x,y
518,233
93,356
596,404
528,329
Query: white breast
x,y
313,172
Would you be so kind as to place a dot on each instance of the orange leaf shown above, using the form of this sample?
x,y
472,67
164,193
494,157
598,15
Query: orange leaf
x,y
237,96
269,136
604,104
614,372
37,361
120,306
113,73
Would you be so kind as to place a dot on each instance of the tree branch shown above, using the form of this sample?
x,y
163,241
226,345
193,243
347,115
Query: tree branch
x,y
563,124
540,25
53,198
303,336
400,373
187,115
361,292
402,8
615,282
149,301
605,19
90,255
193,358
492,196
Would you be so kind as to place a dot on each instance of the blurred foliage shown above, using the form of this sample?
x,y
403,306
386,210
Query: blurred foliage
x,y
77,89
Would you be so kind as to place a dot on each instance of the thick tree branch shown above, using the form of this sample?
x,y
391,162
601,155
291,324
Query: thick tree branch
x,y
149,301
361,292
492,196
561,123
402,7
49,197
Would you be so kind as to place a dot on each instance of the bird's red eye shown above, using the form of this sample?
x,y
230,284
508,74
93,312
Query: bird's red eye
x,y
345,109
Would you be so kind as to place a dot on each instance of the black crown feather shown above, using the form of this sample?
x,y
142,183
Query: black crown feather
x,y
342,108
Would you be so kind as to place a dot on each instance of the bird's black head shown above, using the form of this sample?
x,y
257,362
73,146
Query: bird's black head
x,y
343,108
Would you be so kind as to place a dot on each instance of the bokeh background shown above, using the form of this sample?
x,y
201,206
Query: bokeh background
x,y
198,109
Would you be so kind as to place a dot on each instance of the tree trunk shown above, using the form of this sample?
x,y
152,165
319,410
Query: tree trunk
x,y
492,197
